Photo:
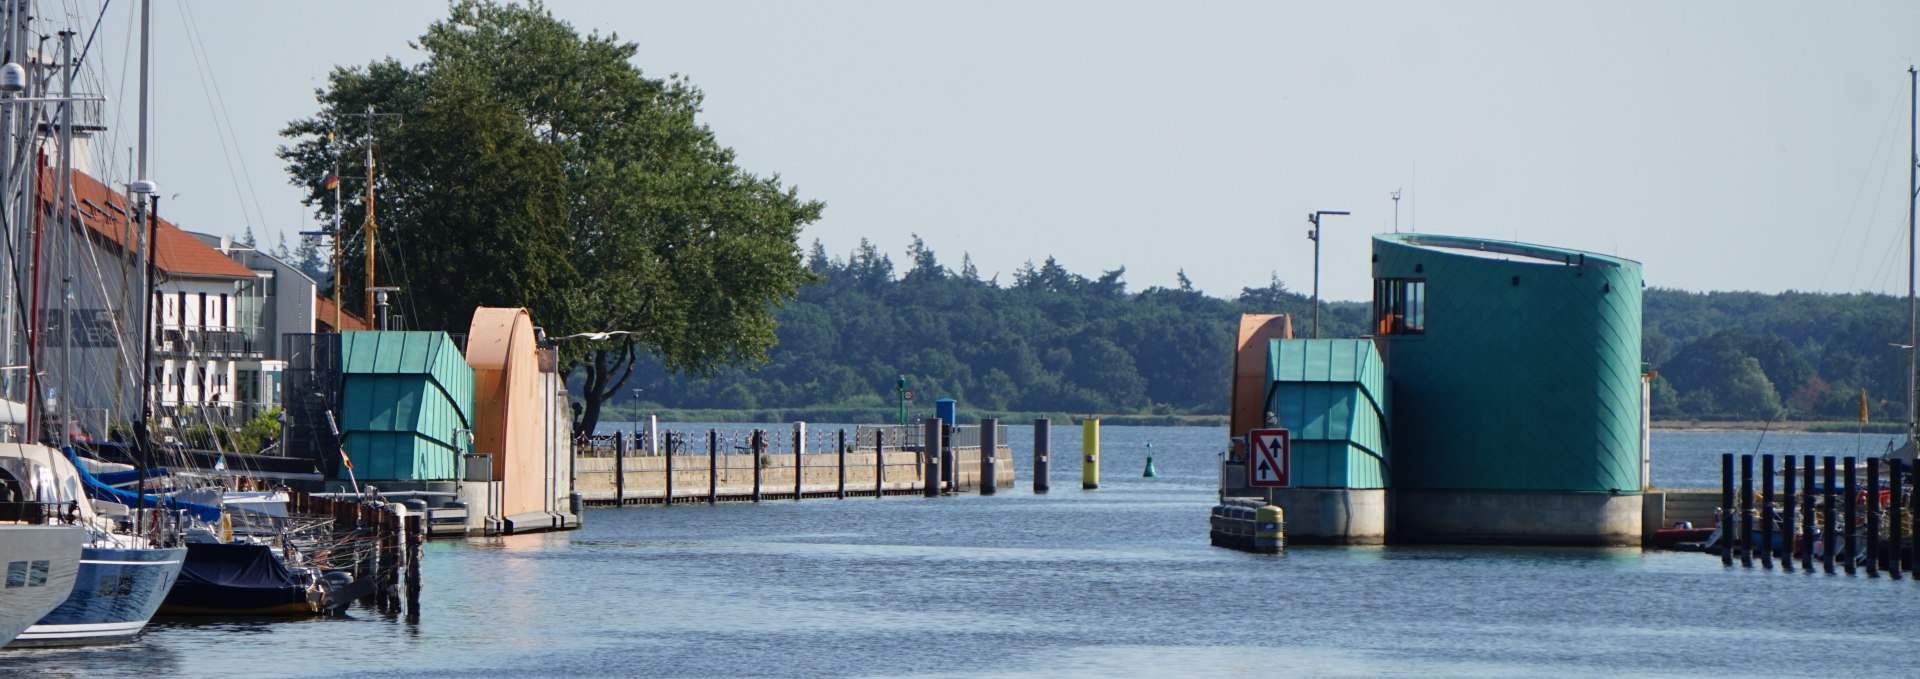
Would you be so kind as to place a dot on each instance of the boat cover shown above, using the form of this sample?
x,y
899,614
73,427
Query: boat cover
x,y
100,490
235,577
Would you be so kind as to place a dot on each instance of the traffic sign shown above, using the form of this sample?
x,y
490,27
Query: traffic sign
x,y
909,394
1267,461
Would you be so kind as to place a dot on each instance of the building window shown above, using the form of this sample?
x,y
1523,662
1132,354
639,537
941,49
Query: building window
x,y
1399,306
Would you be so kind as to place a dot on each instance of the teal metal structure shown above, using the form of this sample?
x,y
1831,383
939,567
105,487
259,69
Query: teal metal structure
x,y
1331,396
1516,367
405,399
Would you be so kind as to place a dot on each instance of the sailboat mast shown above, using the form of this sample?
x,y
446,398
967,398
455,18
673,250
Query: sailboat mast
x,y
65,229
372,229
1913,308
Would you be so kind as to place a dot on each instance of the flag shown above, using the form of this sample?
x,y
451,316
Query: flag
x,y
1863,405
331,182
348,461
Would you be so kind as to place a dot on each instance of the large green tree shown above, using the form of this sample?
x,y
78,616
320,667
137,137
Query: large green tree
x,y
534,166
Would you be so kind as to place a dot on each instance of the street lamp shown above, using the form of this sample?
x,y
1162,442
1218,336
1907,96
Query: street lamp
x,y
636,417
1313,234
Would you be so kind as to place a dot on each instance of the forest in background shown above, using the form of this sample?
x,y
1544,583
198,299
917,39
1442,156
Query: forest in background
x,y
1049,340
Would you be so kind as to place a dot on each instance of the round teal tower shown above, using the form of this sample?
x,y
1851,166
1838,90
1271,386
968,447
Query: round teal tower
x,y
1516,379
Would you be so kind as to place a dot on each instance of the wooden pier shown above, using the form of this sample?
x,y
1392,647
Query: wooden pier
x,y
710,466
1794,508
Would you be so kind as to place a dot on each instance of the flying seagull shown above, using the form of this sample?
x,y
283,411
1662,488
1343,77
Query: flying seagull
x,y
601,336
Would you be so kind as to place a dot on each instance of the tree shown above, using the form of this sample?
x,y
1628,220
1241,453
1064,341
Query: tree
x,y
565,180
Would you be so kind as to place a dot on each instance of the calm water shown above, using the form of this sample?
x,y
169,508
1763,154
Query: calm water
x,y
1118,582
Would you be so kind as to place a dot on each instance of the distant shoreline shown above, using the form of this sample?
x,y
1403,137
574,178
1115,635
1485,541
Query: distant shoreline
x,y
1793,426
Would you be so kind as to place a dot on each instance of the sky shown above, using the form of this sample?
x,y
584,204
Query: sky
x,y
1725,145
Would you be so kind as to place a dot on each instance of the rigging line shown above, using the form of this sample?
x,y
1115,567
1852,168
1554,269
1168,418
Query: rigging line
x,y
225,120
1866,175
84,49
226,153
1875,213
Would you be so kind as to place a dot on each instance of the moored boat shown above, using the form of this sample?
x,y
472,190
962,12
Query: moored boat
x,y
117,592
241,579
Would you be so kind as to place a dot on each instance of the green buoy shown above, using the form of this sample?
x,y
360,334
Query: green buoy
x,y
1150,473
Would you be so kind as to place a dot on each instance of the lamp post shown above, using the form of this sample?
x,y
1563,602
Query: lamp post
x,y
636,419
1313,234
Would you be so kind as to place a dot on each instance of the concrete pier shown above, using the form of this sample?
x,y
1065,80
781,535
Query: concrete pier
x,y
1467,517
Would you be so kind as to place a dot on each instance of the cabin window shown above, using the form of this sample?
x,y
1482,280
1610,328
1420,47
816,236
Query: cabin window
x,y
1399,306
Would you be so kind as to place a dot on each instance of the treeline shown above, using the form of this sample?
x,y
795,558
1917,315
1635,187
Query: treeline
x,y
1043,339
1794,355
1046,339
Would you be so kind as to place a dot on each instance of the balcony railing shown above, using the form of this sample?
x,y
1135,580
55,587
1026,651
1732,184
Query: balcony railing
x,y
177,341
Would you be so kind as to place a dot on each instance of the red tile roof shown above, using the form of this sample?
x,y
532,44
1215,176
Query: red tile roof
x,y
323,315
178,253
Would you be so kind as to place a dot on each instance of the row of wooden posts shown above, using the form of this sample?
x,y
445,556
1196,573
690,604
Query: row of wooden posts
x,y
1797,498
938,468
396,534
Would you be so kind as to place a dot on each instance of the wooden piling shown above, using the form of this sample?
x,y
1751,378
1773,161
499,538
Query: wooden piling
x,y
1827,544
1913,558
1746,510
1766,511
619,469
799,459
1806,516
1727,523
414,536
1853,516
1895,529
930,457
759,442
713,466
1873,517
1788,516
879,463
989,449
668,461
841,446
1042,445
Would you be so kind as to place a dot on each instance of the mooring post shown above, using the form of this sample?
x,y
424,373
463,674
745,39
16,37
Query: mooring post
x,y
1894,529
989,463
1727,525
1766,511
841,445
668,460
930,453
1042,444
879,463
1827,544
713,466
1913,558
799,457
413,538
1089,454
1853,515
1789,515
1873,517
619,469
759,441
1746,510
1806,515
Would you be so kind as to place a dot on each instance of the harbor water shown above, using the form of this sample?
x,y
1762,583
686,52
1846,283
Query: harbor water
x,y
1114,582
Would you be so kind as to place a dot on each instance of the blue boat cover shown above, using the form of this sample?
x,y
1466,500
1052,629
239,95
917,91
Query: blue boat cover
x,y
237,577
100,490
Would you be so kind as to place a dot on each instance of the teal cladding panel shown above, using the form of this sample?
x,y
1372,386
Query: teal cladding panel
x,y
404,395
1329,395
1528,375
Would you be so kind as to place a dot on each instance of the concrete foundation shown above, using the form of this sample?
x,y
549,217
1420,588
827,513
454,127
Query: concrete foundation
x,y
1469,517
1334,516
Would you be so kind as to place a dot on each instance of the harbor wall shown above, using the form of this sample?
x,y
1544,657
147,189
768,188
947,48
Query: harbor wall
x,y
645,476
1517,518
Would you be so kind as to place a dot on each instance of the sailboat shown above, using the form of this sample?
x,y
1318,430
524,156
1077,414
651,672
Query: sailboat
x,y
131,557
1906,452
39,547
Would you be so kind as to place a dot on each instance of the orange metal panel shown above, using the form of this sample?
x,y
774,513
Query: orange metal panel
x,y
1250,368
